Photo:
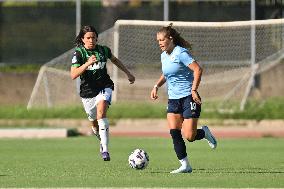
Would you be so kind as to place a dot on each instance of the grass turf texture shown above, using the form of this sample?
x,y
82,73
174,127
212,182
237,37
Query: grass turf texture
x,y
268,109
75,162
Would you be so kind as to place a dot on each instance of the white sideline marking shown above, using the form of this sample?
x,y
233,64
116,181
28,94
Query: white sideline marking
x,y
137,188
33,133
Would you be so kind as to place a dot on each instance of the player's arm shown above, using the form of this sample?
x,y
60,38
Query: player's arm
x,y
186,58
77,69
197,73
160,82
119,64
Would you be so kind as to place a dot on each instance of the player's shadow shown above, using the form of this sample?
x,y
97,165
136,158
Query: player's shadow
x,y
159,172
244,170
228,170
4,175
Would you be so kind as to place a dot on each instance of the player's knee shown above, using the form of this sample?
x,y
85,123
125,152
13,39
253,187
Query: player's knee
x,y
190,136
101,110
101,114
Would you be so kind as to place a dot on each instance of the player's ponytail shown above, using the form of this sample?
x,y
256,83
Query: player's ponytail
x,y
170,32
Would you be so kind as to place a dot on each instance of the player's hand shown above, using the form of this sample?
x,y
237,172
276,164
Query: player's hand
x,y
154,93
196,97
91,60
131,78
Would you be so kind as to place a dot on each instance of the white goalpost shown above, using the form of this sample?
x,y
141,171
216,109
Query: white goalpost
x,y
231,53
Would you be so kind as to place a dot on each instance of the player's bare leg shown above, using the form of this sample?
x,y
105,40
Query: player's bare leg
x,y
95,129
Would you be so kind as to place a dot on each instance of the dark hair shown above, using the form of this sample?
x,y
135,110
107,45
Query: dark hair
x,y
170,32
83,31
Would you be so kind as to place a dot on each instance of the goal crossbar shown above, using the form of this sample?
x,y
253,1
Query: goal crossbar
x,y
200,24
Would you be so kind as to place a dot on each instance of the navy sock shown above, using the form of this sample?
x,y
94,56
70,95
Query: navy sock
x,y
179,144
200,134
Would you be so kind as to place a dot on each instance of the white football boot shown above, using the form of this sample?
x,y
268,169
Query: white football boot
x,y
183,169
209,137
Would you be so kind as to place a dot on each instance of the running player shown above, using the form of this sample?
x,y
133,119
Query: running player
x,y
183,75
89,63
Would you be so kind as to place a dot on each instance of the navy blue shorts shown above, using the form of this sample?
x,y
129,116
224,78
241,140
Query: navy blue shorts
x,y
184,106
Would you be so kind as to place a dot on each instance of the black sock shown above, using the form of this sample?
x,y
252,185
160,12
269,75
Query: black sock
x,y
200,134
179,144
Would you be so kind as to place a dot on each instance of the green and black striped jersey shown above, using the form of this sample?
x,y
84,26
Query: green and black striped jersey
x,y
95,78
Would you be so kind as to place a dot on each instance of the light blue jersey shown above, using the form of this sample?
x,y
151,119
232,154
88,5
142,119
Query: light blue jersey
x,y
175,69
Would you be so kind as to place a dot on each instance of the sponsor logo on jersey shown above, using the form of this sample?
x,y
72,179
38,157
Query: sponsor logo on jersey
x,y
96,66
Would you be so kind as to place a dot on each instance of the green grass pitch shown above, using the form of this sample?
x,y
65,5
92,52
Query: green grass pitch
x,y
75,162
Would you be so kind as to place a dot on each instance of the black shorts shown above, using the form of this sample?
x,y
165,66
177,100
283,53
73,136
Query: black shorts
x,y
184,106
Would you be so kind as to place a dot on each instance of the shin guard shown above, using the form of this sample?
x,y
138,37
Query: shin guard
x,y
179,144
104,133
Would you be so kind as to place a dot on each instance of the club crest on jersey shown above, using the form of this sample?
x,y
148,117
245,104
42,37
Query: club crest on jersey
x,y
172,58
101,56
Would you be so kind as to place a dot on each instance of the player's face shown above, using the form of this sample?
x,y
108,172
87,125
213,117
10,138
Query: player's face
x,y
165,43
90,40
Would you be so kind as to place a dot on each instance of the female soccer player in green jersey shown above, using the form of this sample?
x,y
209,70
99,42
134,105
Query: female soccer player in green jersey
x,y
89,63
182,75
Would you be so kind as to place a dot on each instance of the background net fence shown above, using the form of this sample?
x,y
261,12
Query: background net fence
x,y
231,53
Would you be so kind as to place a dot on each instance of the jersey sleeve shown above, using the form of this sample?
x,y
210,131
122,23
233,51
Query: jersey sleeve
x,y
76,59
107,51
186,58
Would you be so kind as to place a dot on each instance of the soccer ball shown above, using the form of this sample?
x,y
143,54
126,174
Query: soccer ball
x,y
138,159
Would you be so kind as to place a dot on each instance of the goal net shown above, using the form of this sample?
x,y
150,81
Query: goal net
x,y
231,53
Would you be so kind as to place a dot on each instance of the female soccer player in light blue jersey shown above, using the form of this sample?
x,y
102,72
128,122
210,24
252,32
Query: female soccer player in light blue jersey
x,y
183,75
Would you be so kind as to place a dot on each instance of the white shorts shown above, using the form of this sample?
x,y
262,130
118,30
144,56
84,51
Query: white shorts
x,y
90,104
